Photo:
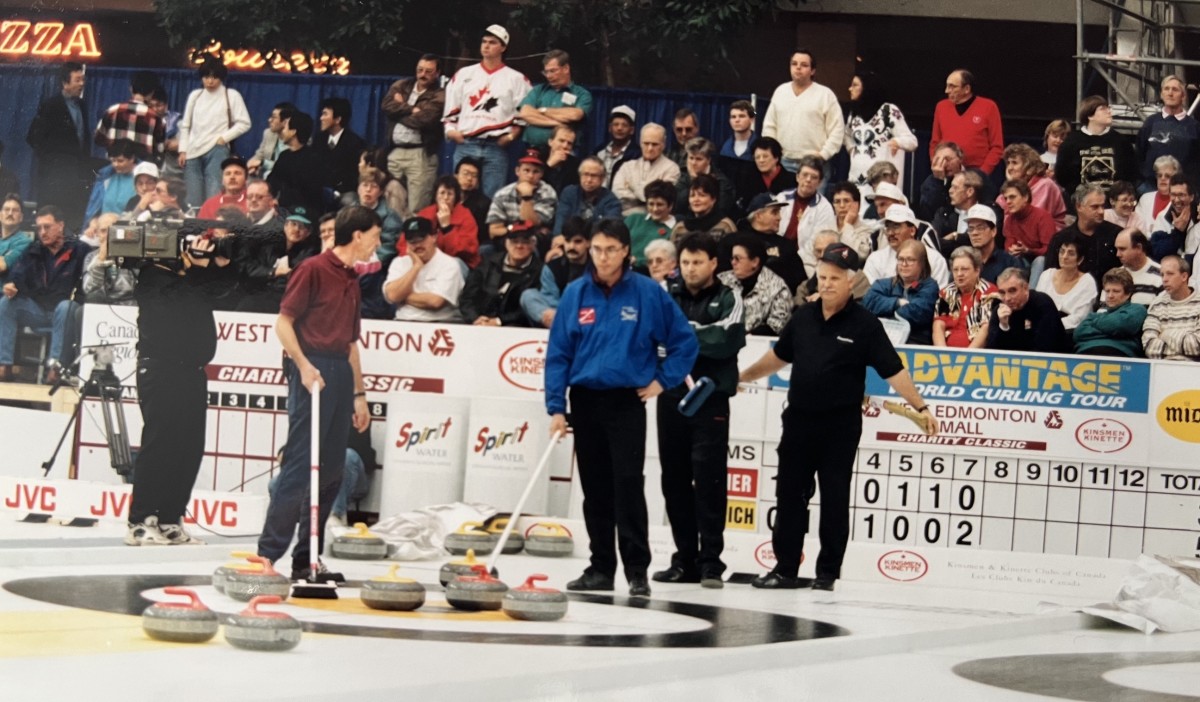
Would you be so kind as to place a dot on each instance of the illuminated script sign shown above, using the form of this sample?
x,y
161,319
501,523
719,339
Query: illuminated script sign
x,y
297,61
47,40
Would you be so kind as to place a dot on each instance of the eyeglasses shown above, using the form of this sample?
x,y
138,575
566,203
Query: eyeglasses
x,y
905,259
606,251
657,260
977,227
736,258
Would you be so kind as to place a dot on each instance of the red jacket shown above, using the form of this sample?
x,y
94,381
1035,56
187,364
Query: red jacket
x,y
977,131
460,239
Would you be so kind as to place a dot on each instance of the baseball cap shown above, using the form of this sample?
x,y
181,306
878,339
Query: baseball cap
x,y
763,201
983,212
523,229
900,214
299,214
145,168
234,161
499,32
890,191
532,156
841,256
623,111
416,228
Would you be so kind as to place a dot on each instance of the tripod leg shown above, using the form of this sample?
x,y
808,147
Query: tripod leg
x,y
118,438
49,463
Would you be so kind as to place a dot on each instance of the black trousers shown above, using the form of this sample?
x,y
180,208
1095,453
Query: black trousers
x,y
693,452
821,445
174,402
610,445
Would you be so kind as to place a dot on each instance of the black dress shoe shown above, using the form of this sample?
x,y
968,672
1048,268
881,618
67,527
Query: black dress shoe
x,y
639,586
822,583
591,580
779,581
712,581
676,574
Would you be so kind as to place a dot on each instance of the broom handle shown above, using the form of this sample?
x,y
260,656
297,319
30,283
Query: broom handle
x,y
314,483
512,521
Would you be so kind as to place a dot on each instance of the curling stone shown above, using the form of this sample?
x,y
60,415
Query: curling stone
x,y
393,593
549,540
476,592
359,545
243,585
516,540
470,536
219,575
262,631
533,603
464,567
180,622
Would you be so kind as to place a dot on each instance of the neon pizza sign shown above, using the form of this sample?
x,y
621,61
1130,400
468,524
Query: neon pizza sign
x,y
49,40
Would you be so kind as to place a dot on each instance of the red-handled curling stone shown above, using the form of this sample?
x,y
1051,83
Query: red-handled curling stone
x,y
180,622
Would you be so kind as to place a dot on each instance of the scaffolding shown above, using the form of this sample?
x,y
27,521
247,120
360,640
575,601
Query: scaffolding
x,y
1139,51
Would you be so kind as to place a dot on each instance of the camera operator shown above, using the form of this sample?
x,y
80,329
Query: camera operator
x,y
176,338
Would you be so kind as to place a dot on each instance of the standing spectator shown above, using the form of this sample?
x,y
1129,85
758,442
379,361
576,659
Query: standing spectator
x,y
1028,228
964,307
656,224
1022,163
1115,328
1133,251
414,107
853,229
1073,292
135,120
297,179
970,121
114,182
481,109
425,284
621,148
458,235
541,304
263,160
875,131
559,102
233,189
805,116
338,146
530,199
630,183
1097,239
62,146
170,119
1177,228
1123,199
705,217
686,127
736,158
589,201
1172,132
1153,202
213,117
1172,327
491,296
466,172
767,176
13,239
935,189
700,156
1024,319
766,299
1052,140
1095,153
807,211
910,295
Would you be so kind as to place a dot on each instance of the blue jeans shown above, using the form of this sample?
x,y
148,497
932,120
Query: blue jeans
x,y
494,159
354,485
289,505
20,312
202,175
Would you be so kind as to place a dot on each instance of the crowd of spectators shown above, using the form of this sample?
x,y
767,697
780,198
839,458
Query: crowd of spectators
x,y
1085,247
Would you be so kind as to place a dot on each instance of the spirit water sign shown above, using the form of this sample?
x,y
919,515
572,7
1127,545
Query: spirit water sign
x,y
47,40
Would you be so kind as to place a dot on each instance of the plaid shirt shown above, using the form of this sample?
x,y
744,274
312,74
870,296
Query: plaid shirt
x,y
136,122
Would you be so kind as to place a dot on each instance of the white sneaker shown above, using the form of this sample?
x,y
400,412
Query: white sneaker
x,y
146,533
175,535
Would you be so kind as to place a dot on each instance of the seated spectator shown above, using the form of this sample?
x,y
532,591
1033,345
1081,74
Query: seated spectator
x,y
1095,154
1022,163
1028,228
1115,328
807,292
1024,319
261,205
1122,198
1172,327
1152,203
1052,140
950,222
104,282
946,163
629,184
981,230
701,154
270,146
1132,247
655,223
1072,290
145,178
169,194
900,225
539,304
530,199
233,189
114,183
1177,229
964,307
768,174
763,223
39,292
1097,239
267,269
298,177
370,195
467,174
662,260
887,195
706,217
879,173
454,223
14,238
424,285
589,200
492,295
854,231
807,211
766,300
621,147
395,194
562,165
910,295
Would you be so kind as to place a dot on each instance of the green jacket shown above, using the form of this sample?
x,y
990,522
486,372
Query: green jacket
x,y
715,314
1116,328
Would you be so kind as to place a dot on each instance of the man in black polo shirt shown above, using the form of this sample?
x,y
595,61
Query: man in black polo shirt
x,y
834,341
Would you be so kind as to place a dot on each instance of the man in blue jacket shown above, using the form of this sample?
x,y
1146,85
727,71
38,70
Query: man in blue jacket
x,y
604,346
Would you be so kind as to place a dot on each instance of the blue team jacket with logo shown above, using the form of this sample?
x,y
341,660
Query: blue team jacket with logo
x,y
603,341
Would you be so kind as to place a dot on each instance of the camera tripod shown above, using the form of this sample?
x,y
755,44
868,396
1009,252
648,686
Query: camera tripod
x,y
102,382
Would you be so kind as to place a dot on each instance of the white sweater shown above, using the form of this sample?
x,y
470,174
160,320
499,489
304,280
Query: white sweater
x,y
807,123
1076,303
206,118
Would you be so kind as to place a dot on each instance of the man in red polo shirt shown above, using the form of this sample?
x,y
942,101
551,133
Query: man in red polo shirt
x,y
233,189
318,327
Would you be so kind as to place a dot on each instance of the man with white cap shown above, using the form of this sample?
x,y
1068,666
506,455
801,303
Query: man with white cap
x,y
621,147
888,194
981,228
145,178
481,109
900,225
